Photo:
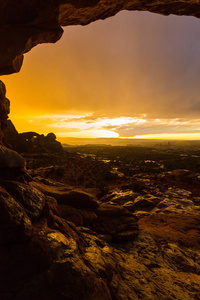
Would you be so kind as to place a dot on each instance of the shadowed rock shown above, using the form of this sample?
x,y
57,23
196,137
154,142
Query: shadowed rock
x,y
10,159
30,141
65,196
31,199
35,23
4,110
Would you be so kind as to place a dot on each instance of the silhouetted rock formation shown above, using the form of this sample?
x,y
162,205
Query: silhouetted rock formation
x,y
49,142
31,141
4,110
11,134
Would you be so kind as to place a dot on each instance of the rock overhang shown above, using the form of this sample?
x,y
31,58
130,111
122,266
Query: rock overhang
x,y
25,24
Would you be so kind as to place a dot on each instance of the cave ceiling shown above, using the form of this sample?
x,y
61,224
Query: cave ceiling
x,y
24,24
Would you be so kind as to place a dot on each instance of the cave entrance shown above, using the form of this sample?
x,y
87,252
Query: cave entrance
x,y
135,74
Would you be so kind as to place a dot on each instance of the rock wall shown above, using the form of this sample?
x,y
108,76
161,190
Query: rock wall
x,y
4,110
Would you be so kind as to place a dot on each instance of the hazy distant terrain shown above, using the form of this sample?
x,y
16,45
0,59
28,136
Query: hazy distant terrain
x,y
125,142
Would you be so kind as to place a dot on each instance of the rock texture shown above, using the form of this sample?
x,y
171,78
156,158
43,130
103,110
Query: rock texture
x,y
43,255
59,242
112,222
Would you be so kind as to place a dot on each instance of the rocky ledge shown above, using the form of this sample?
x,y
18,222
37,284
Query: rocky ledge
x,y
60,242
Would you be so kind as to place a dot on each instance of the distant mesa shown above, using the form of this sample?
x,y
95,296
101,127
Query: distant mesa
x,y
30,141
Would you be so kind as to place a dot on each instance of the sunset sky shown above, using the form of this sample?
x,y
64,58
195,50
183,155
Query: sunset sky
x,y
133,75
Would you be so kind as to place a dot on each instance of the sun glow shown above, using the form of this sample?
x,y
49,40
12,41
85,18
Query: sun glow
x,y
169,136
90,125
107,81
89,134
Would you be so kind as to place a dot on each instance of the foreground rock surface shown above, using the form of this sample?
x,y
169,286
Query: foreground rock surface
x,y
65,251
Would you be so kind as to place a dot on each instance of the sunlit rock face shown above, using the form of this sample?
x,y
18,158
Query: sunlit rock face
x,y
24,24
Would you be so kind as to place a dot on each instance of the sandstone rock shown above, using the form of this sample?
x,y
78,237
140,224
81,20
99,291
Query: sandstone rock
x,y
120,197
141,214
196,201
51,136
177,193
89,217
55,260
180,172
52,204
11,135
71,214
65,196
31,141
76,199
4,111
111,210
10,159
129,206
147,202
117,222
30,198
13,218
52,145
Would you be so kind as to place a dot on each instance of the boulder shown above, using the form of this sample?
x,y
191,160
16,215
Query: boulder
x,y
51,137
70,214
89,217
130,206
120,197
117,222
65,196
30,198
10,159
147,202
4,111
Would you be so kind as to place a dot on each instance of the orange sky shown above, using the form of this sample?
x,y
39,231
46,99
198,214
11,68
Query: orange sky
x,y
131,75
